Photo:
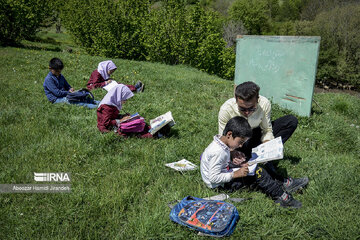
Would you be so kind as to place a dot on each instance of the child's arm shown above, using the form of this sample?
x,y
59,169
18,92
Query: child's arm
x,y
216,171
242,172
67,85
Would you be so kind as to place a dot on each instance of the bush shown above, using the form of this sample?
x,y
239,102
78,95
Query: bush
x,y
255,15
181,34
171,32
108,28
339,57
20,19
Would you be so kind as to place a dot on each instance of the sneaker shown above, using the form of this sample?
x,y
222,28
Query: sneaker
x,y
292,185
286,200
139,86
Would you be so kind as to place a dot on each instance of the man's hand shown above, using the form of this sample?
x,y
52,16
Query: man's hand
x,y
237,157
71,90
242,172
108,81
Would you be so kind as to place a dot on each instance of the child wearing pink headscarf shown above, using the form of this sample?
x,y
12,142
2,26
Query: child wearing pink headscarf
x,y
108,117
100,77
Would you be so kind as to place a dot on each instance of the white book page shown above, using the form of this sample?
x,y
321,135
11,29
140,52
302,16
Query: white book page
x,y
110,85
182,165
251,169
157,123
268,151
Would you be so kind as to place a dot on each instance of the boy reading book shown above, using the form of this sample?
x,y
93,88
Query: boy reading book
x,y
216,172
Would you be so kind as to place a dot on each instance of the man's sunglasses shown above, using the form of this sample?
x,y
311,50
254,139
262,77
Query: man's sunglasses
x,y
251,109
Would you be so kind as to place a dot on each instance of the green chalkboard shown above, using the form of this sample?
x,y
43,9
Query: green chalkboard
x,y
283,66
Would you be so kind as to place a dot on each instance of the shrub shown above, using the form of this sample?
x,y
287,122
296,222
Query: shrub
x,y
181,34
171,32
108,28
339,57
21,19
255,15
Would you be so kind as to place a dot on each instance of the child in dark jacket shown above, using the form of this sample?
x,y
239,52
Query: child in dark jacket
x,y
57,88
100,77
108,117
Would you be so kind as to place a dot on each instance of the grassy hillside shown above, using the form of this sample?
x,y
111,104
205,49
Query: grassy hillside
x,y
120,188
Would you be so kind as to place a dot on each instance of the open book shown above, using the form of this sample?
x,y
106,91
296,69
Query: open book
x,y
157,123
110,85
271,150
132,117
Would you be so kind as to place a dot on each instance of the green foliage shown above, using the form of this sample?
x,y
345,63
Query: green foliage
x,y
253,14
291,9
21,19
120,187
171,32
187,35
108,28
340,45
228,59
286,28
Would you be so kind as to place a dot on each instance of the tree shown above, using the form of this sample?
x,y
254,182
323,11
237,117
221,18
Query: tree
x,y
339,57
255,15
21,19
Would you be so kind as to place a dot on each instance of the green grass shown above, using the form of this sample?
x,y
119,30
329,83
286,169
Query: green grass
x,y
120,188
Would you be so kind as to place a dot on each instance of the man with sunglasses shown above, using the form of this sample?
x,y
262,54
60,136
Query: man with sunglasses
x,y
256,109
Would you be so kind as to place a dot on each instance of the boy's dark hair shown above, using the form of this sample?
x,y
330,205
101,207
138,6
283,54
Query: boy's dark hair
x,y
239,127
56,64
247,91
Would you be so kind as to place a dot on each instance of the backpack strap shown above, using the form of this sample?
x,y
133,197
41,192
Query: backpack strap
x,y
238,199
224,197
90,93
172,204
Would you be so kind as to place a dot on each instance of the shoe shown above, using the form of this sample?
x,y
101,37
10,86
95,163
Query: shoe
x,y
286,200
295,184
139,86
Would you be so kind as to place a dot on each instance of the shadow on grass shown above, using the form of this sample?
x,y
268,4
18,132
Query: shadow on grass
x,y
47,40
316,111
52,49
54,46
293,159
174,133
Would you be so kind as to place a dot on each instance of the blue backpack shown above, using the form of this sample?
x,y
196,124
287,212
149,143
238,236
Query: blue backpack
x,y
209,217
82,95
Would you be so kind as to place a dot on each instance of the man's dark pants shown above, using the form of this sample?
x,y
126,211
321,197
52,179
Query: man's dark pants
x,y
265,176
284,127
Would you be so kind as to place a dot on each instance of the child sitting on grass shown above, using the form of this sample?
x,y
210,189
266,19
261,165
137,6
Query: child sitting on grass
x,y
57,88
216,172
108,117
100,77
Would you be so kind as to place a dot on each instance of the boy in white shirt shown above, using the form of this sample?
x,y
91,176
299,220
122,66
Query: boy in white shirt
x,y
216,173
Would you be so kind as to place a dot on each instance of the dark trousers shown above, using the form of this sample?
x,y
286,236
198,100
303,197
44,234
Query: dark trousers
x,y
284,127
262,179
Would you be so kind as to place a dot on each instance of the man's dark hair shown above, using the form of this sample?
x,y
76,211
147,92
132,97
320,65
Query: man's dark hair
x,y
247,91
239,127
56,64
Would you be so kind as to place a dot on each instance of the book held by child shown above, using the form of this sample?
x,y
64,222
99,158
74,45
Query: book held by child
x,y
161,121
